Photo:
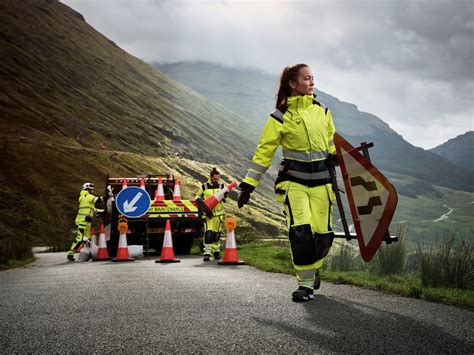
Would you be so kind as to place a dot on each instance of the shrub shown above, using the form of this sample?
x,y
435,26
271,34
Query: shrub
x,y
391,257
345,259
447,264
14,246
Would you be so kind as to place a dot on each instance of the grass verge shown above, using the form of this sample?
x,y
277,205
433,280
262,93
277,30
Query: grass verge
x,y
12,264
270,258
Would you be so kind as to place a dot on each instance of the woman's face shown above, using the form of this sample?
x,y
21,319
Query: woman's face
x,y
304,85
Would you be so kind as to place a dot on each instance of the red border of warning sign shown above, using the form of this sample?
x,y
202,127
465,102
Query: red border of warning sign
x,y
368,251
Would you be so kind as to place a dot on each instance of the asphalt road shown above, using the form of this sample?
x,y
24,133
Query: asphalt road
x,y
56,306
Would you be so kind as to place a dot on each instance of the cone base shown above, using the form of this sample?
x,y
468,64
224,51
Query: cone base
x,y
168,261
101,259
204,207
127,259
231,262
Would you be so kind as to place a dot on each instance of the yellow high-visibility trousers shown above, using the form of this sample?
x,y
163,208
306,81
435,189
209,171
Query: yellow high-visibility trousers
x,y
212,233
308,213
83,230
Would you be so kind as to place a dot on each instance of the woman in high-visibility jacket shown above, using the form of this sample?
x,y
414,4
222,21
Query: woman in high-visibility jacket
x,y
304,129
212,225
85,214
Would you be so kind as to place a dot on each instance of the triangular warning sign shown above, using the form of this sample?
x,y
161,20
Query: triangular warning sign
x,y
372,199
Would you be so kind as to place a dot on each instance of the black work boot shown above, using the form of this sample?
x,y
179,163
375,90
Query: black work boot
x,y
70,257
217,255
206,258
303,294
317,280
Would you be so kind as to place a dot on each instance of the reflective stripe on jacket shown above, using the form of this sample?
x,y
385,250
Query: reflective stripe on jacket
x,y
208,189
304,129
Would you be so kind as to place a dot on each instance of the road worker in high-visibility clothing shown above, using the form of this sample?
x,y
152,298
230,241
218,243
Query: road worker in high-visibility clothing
x,y
85,213
212,224
304,129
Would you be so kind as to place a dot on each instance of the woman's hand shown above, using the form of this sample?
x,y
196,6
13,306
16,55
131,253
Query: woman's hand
x,y
244,195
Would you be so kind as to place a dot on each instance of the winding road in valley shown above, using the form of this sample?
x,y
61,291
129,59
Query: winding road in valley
x,y
446,215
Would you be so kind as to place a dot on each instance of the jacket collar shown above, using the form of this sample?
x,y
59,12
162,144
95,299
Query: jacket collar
x,y
300,102
209,181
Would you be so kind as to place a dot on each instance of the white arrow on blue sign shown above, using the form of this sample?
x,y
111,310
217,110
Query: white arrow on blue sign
x,y
133,202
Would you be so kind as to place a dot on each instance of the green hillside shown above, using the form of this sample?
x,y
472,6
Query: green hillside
x,y
75,107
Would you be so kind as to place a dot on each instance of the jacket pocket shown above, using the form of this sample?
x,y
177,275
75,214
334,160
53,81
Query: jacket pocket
x,y
281,190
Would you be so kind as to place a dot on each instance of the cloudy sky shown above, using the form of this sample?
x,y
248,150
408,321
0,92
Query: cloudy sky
x,y
409,62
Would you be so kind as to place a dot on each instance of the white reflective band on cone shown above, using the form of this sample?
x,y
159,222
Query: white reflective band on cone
x,y
167,242
123,240
230,242
102,243
220,194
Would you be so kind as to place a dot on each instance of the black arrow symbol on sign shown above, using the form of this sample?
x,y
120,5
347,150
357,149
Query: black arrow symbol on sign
x,y
368,185
373,201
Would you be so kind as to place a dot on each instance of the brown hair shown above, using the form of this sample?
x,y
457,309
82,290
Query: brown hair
x,y
284,91
214,172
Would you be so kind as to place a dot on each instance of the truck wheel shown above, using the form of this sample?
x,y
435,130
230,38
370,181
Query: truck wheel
x,y
183,245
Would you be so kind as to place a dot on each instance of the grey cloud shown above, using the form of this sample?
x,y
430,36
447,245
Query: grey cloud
x,y
433,39
404,60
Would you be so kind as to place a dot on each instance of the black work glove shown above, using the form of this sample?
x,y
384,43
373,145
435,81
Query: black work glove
x,y
244,195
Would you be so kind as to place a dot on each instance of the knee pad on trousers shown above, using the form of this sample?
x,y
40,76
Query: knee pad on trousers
x,y
208,238
322,244
217,236
302,245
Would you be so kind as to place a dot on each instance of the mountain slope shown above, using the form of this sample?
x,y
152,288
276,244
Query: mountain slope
x,y
459,150
251,93
75,107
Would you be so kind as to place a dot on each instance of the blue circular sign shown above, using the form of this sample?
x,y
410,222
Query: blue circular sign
x,y
133,202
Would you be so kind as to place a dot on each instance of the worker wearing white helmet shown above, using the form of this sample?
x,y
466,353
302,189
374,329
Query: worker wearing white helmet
x,y
84,217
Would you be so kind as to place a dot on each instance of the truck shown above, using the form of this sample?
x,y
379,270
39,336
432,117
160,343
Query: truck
x,y
148,230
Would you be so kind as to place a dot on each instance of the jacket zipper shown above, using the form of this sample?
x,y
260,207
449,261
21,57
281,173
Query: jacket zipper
x,y
307,133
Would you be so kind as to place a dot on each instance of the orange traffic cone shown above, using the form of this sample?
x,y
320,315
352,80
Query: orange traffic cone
x,y
93,236
103,253
159,193
124,183
211,202
122,251
167,252
231,256
142,183
176,192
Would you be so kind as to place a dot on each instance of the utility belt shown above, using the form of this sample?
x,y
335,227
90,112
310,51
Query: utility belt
x,y
311,174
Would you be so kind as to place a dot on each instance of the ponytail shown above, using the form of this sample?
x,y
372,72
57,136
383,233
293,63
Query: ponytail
x,y
214,172
288,74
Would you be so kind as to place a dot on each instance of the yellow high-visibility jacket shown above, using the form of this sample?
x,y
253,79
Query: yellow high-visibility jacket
x,y
208,189
86,208
304,129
